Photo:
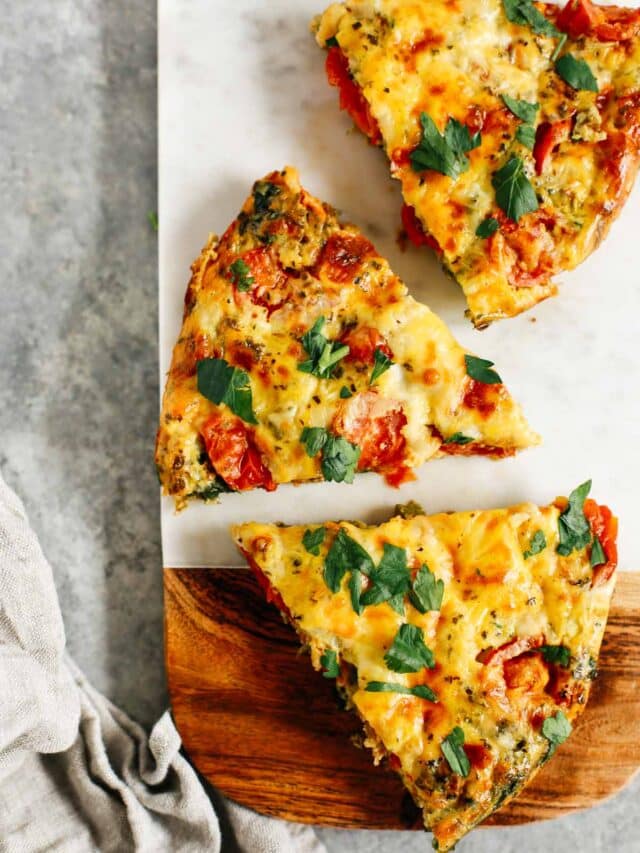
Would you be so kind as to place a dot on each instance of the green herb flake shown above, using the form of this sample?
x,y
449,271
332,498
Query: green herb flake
x,y
556,729
576,73
390,580
537,544
420,690
526,135
345,555
556,654
426,592
480,370
573,528
313,539
323,354
524,110
597,556
487,227
241,275
444,153
453,750
345,392
220,382
523,12
408,652
514,193
381,363
329,663
458,438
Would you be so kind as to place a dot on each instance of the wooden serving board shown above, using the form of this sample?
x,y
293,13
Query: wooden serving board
x,y
267,730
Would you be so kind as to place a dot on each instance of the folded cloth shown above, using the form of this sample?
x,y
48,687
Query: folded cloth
x,y
76,773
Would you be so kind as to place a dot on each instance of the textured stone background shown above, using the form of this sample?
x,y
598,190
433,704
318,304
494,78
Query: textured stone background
x,y
78,356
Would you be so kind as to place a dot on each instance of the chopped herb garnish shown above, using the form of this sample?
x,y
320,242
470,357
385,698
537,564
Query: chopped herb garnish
x,y
480,370
323,354
453,750
381,363
556,654
241,275
573,527
345,555
514,192
390,581
487,227
556,729
538,543
313,539
408,653
526,135
598,557
329,663
444,153
458,438
345,392
426,592
525,13
339,456
220,382
576,73
152,216
524,110
420,690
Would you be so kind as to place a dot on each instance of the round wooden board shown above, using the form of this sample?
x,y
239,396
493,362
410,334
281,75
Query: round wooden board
x,y
268,732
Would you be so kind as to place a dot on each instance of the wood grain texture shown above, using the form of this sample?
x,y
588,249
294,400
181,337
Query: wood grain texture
x,y
268,731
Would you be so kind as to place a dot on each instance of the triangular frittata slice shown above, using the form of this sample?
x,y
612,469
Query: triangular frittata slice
x,y
513,127
302,356
466,642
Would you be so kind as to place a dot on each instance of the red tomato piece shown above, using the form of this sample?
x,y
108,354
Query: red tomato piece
x,y
548,136
415,231
363,341
343,256
605,526
351,98
233,453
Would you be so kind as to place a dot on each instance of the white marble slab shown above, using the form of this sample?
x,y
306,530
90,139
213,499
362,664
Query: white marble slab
x,y
243,91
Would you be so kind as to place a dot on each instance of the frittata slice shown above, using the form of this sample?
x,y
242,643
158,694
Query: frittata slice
x,y
466,642
513,127
302,357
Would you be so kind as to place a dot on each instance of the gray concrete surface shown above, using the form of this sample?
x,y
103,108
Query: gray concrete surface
x,y
78,355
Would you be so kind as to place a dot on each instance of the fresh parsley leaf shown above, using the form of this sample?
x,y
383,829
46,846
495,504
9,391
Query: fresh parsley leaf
x,y
487,227
420,690
598,557
355,589
329,663
332,42
573,527
524,110
453,750
345,393
426,592
381,363
514,192
556,654
458,438
480,370
525,13
556,729
220,382
339,459
526,135
152,216
345,555
314,439
444,153
576,73
323,354
313,539
241,275
390,579
538,543
408,652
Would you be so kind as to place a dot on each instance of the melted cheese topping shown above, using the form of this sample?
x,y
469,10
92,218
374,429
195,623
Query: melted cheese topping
x,y
305,265
455,58
493,596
